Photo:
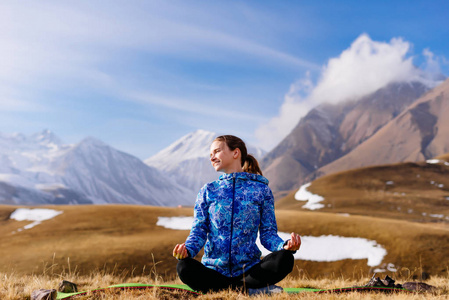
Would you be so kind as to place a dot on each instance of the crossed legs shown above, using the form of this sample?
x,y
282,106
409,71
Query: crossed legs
x,y
270,270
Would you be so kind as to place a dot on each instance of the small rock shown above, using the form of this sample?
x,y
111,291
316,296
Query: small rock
x,y
67,287
419,287
44,294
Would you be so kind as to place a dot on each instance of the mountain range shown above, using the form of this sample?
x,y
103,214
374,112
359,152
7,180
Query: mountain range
x,y
40,169
399,122
418,133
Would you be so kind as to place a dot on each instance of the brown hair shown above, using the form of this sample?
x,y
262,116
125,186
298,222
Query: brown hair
x,y
249,162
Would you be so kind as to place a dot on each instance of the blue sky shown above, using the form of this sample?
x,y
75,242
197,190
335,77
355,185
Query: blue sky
x,y
140,74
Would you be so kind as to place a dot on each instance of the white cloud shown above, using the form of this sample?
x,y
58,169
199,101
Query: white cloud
x,y
432,67
295,104
361,69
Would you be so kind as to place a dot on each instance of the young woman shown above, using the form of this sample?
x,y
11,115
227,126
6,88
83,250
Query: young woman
x,y
229,213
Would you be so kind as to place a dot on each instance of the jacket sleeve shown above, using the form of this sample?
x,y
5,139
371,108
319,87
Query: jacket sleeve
x,y
268,226
200,227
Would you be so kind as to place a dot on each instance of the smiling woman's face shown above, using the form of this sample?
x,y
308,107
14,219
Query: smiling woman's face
x,y
221,157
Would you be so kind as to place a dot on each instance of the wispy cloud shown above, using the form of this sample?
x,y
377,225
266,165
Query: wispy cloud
x,y
54,38
14,105
207,108
86,45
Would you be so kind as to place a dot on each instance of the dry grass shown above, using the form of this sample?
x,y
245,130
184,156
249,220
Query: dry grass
x,y
125,240
15,287
415,192
409,216
88,238
81,245
121,243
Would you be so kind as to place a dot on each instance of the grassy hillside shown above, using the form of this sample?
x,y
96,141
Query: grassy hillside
x,y
85,238
404,207
444,157
417,192
125,240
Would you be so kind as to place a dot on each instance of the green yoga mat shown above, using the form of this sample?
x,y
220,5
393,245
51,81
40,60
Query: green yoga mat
x,y
185,288
346,289
128,286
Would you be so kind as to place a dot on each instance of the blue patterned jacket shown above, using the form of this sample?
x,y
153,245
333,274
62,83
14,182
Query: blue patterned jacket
x,y
229,212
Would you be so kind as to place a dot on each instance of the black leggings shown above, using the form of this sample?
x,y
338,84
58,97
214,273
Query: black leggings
x,y
270,270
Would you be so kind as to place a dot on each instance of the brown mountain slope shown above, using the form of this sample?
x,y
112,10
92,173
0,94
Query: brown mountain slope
x,y
418,133
328,132
444,157
417,192
125,240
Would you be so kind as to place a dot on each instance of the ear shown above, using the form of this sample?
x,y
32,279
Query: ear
x,y
236,153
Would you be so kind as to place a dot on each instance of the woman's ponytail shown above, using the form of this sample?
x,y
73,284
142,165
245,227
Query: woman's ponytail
x,y
251,165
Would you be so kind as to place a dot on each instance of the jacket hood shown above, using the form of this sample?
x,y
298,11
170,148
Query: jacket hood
x,y
244,176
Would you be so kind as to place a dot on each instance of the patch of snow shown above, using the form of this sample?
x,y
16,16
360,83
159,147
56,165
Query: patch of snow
x,y
312,200
322,248
437,161
436,216
34,214
433,161
177,223
334,248
344,215
439,185
447,198
390,182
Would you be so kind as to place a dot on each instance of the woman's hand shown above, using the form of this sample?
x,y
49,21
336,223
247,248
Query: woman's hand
x,y
294,243
180,251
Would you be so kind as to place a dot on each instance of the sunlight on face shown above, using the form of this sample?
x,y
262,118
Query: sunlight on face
x,y
221,157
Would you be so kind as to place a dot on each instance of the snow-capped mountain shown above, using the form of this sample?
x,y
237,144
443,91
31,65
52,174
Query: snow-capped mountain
x,y
187,160
19,152
41,169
